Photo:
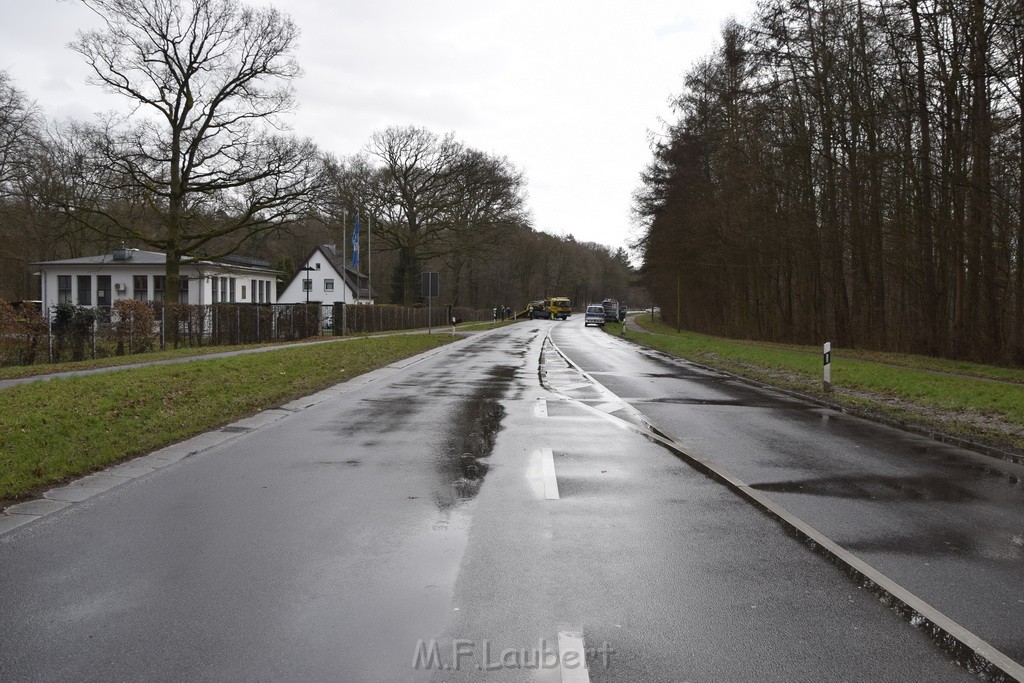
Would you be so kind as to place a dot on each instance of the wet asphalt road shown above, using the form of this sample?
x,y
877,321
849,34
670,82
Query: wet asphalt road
x,y
337,543
946,523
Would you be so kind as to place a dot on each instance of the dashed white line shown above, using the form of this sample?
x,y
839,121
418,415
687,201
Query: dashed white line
x,y
572,658
541,408
550,481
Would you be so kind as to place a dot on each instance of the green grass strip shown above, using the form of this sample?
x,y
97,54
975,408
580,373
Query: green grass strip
x,y
62,428
912,388
19,371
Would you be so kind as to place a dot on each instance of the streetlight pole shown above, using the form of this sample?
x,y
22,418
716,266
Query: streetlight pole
x,y
307,284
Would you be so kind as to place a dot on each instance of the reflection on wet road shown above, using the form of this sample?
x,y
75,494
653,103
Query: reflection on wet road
x,y
482,513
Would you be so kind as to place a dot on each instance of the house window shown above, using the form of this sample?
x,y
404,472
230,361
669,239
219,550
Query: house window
x,y
231,289
183,289
140,287
213,288
318,266
158,287
243,293
103,291
223,290
63,289
85,290
329,285
307,285
252,289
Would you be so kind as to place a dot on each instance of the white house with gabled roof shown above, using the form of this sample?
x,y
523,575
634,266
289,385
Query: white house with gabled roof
x,y
325,277
98,281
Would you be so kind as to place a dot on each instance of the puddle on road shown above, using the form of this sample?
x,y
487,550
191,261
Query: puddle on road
x,y
939,542
472,431
874,488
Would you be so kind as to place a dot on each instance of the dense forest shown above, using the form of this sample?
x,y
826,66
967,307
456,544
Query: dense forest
x,y
200,164
850,171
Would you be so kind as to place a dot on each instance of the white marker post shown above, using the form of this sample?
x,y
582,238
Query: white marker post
x,y
827,357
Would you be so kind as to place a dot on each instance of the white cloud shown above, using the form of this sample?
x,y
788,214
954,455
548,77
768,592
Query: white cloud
x,y
566,89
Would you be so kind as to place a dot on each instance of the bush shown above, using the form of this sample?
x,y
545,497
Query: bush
x,y
72,326
132,326
22,335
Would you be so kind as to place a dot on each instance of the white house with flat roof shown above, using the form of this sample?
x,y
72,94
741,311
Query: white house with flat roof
x,y
325,277
99,281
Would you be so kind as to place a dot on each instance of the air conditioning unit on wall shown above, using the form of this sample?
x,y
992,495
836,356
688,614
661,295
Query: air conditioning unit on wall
x,y
119,287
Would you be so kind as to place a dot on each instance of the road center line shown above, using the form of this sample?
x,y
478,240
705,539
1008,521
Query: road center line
x,y
541,408
572,657
550,481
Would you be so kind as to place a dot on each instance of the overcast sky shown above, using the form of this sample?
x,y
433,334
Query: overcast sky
x,y
566,89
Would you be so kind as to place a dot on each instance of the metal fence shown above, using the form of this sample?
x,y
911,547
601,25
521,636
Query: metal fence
x,y
68,333
363,318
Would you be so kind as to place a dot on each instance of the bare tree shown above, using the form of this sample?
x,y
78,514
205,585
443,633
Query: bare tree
x,y
436,199
201,150
19,128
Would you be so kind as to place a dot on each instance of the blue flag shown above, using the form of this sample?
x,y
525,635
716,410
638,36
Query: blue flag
x,y
355,243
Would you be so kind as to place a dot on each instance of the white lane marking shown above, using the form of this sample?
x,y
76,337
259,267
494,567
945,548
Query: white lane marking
x,y
535,474
572,657
541,408
550,481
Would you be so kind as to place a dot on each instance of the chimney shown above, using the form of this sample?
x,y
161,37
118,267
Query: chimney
x,y
333,248
122,254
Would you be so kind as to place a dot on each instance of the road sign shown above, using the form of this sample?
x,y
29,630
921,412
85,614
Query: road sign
x,y
429,285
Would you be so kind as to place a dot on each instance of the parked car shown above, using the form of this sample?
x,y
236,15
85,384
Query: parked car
x,y
594,315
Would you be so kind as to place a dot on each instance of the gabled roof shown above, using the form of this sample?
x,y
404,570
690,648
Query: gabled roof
x,y
139,257
349,274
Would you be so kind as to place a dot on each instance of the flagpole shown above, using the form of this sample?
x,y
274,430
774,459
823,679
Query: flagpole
x,y
369,257
355,253
344,286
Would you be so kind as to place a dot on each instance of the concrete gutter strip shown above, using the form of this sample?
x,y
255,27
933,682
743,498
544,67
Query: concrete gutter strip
x,y
976,654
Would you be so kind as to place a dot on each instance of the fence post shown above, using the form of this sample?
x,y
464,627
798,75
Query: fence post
x,y
95,324
163,324
49,335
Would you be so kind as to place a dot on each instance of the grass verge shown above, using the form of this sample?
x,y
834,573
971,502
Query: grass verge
x,y
981,403
19,371
53,431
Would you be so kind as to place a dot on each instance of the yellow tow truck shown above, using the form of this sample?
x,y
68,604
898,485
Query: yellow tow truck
x,y
555,308
558,307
